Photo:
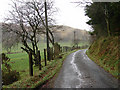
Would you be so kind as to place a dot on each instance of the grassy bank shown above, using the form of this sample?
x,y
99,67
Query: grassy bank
x,y
39,77
105,53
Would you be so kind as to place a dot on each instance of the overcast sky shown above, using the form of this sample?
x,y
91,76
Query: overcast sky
x,y
68,13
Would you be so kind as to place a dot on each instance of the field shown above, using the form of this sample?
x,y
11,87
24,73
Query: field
x,y
19,58
41,46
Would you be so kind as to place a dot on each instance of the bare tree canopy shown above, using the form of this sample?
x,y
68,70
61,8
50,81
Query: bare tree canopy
x,y
9,39
27,20
82,3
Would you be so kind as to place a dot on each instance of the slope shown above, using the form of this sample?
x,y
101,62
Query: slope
x,y
105,52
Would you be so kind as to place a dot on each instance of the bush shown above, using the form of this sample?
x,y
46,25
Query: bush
x,y
8,75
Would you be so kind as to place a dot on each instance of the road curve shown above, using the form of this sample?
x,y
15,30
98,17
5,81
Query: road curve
x,y
78,71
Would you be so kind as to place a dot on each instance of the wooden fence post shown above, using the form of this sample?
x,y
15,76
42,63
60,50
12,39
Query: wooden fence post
x,y
61,49
30,64
45,57
66,49
39,59
51,53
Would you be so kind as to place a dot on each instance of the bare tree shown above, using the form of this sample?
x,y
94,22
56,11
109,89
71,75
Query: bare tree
x,y
9,39
82,3
28,22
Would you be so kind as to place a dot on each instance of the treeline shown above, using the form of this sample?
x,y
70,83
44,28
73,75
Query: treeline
x,y
104,18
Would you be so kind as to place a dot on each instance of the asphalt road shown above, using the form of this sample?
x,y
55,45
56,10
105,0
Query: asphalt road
x,y
78,71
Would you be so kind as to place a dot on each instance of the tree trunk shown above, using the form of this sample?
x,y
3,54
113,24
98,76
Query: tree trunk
x,y
107,19
45,57
39,59
30,64
108,26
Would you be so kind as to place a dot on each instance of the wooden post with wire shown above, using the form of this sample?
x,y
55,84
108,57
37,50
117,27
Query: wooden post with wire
x,y
45,57
39,59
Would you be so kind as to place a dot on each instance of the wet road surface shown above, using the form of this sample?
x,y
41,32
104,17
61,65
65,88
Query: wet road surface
x,y
78,71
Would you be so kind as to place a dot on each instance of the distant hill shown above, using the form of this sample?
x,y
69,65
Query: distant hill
x,y
66,33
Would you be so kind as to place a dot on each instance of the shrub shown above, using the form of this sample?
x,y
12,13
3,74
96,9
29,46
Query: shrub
x,y
8,75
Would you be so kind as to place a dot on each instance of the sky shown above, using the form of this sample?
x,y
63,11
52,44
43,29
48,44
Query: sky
x,y
68,14
71,14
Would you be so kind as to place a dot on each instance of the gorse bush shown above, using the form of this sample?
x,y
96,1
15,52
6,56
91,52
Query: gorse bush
x,y
8,75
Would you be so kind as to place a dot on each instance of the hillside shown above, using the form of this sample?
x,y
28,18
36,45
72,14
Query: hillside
x,y
66,33
104,52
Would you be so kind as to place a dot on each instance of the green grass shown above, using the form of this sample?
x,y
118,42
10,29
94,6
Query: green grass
x,y
70,44
20,63
17,48
41,46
